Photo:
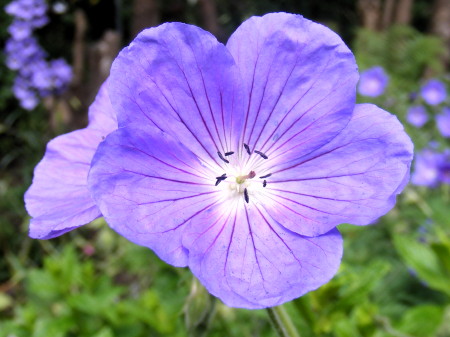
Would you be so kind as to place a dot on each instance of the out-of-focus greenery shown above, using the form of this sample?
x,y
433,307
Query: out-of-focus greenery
x,y
394,280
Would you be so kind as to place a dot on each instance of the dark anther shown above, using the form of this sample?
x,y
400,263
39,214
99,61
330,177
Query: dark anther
x,y
264,183
247,148
221,157
261,154
219,179
266,176
246,195
228,153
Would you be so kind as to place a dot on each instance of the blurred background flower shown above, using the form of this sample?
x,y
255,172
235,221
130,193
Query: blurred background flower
x,y
433,92
373,82
417,115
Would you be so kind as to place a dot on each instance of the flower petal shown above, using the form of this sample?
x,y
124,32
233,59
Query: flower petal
x,y
181,79
148,187
301,79
102,116
353,179
248,260
58,199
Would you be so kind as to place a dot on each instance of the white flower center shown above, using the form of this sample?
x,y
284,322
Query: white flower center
x,y
240,182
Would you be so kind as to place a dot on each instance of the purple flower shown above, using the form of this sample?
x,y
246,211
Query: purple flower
x,y
24,92
61,72
373,81
444,167
25,55
26,9
426,171
443,122
20,30
50,77
58,199
239,161
431,168
20,52
433,92
417,116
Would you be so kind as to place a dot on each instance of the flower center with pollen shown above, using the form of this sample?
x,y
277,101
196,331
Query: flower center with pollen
x,y
240,182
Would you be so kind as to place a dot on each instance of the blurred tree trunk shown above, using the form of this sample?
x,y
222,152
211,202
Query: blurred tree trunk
x,y
68,110
101,56
208,11
403,13
145,14
388,14
440,26
380,15
370,13
79,46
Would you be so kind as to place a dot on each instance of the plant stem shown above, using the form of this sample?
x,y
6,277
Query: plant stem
x,y
282,322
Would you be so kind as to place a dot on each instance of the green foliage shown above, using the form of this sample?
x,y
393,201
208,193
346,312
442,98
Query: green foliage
x,y
402,51
69,297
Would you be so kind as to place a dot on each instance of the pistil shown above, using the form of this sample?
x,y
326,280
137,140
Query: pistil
x,y
242,179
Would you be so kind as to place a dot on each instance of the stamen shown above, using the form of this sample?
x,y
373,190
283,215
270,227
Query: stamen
x,y
247,148
219,179
261,154
228,153
264,183
222,157
246,195
266,176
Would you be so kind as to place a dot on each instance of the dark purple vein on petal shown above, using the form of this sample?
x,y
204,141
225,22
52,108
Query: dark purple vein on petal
x,y
176,111
273,198
254,248
279,237
209,105
301,131
291,109
277,100
177,199
323,154
162,161
192,93
163,178
191,217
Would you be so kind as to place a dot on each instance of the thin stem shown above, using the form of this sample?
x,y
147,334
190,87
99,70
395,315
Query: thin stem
x,y
282,322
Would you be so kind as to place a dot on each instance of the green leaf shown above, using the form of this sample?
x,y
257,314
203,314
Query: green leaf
x,y
422,320
425,261
104,332
5,301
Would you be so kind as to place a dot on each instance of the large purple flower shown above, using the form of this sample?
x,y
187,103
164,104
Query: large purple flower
x,y
239,161
58,199
373,82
